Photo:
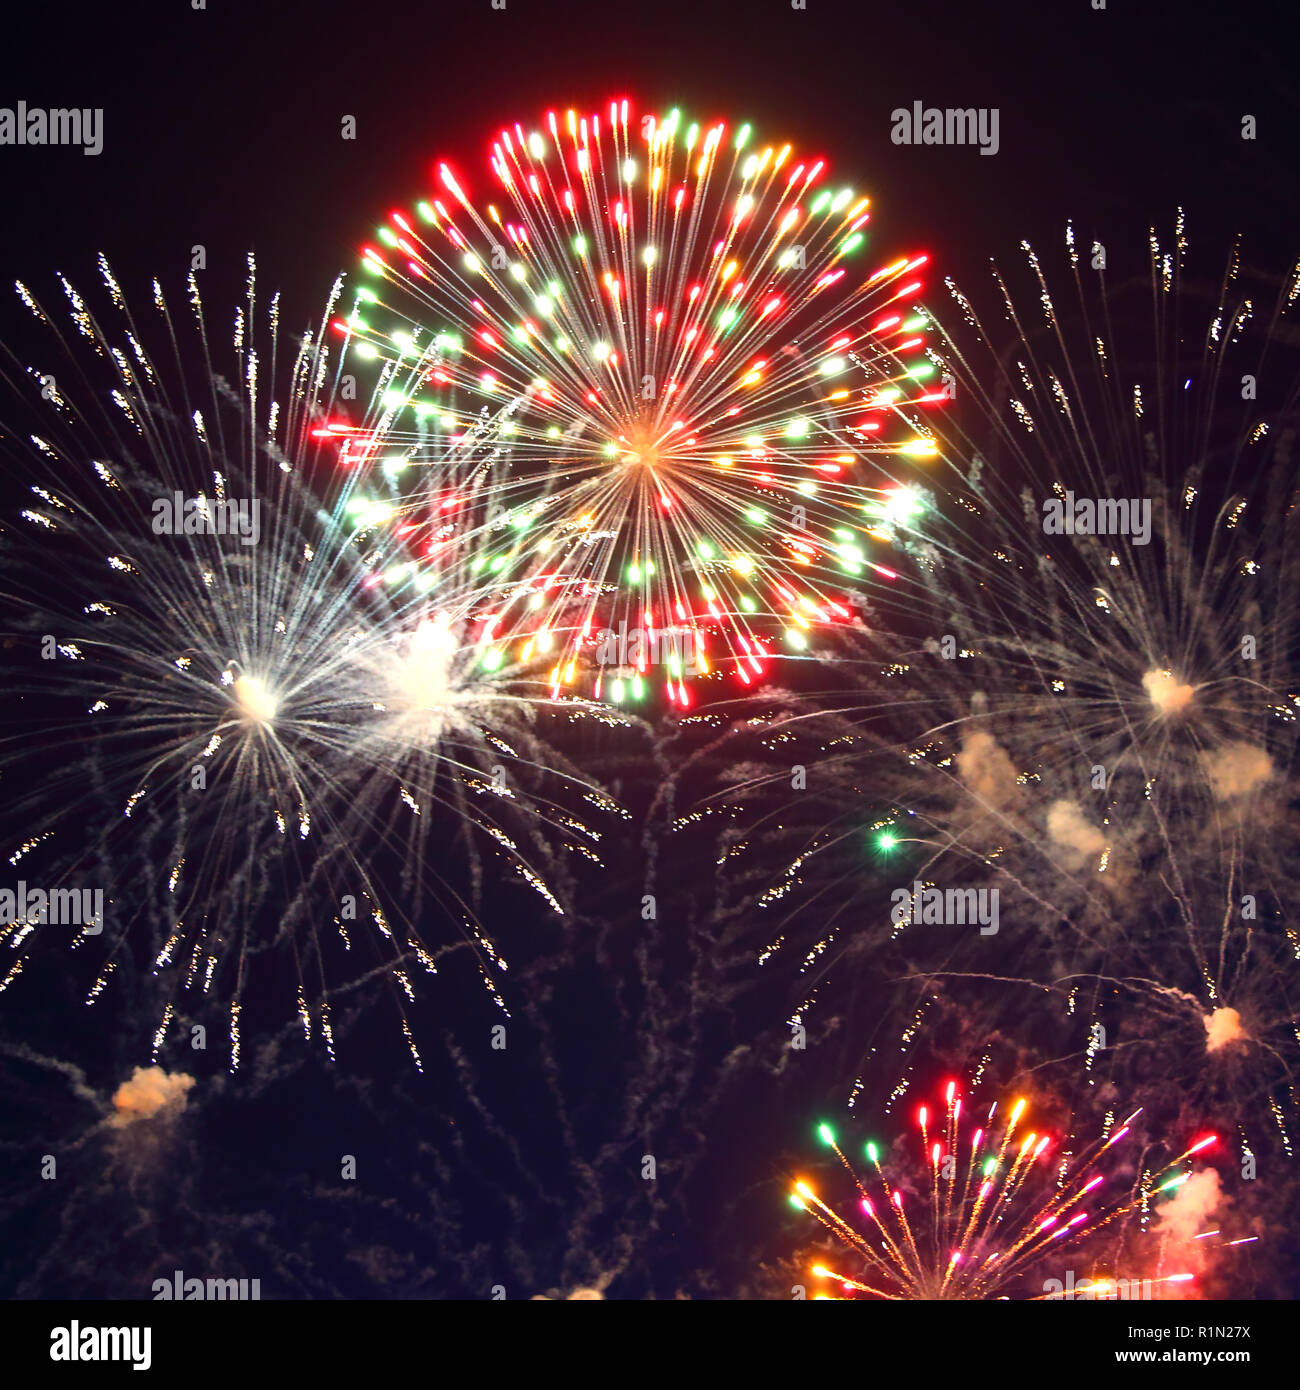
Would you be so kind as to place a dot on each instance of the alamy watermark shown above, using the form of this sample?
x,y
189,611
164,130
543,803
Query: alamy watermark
x,y
179,515
39,125
74,1342
179,1288
57,907
946,125
1069,515
946,907
674,647
1058,1290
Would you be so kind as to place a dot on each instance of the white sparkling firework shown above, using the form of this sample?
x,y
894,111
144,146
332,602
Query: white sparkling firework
x,y
257,730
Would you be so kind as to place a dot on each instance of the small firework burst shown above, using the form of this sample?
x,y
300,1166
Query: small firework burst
x,y
990,1204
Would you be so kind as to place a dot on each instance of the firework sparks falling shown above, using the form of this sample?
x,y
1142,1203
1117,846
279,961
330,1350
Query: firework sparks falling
x,y
1101,727
1129,558
1126,766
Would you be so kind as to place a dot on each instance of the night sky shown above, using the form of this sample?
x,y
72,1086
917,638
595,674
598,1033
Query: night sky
x,y
523,1169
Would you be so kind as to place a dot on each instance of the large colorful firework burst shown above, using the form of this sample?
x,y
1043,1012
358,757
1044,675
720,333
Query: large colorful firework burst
x,y
652,346
990,1204
256,728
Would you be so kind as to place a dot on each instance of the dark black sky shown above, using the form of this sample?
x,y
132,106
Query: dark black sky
x,y
222,125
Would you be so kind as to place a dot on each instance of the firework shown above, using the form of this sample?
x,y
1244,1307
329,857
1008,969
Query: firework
x,y
254,726
1102,730
1127,579
1122,763
651,347
992,1202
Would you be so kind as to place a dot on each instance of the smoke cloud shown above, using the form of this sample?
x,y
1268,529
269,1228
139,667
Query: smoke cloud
x,y
1235,769
150,1091
987,771
1185,1216
1069,830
